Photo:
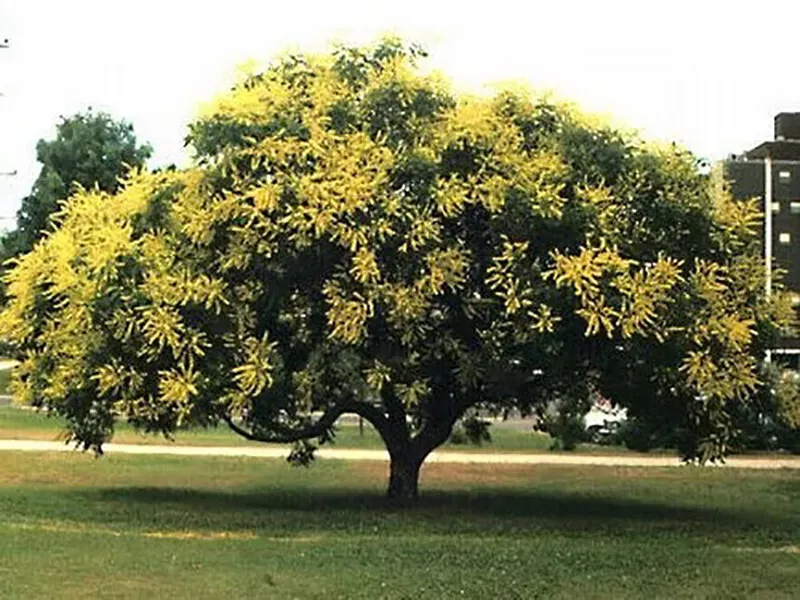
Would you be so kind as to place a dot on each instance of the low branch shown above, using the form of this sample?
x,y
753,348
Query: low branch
x,y
325,422
370,412
289,436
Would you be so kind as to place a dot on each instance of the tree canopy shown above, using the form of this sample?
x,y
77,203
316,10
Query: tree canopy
x,y
90,149
354,237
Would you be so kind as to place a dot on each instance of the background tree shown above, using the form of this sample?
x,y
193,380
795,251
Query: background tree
x,y
90,149
354,237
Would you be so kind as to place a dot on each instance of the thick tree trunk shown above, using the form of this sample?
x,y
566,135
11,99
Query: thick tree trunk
x,y
406,453
403,477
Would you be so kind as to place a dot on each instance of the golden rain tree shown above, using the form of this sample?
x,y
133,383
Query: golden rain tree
x,y
354,237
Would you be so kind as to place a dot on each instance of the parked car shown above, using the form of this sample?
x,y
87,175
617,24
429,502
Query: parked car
x,y
603,420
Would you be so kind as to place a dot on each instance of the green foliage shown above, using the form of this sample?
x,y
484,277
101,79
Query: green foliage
x,y
771,420
642,435
787,399
354,237
90,149
471,430
563,420
764,421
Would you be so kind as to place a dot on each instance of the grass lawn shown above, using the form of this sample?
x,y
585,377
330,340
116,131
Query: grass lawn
x,y
5,377
16,423
72,526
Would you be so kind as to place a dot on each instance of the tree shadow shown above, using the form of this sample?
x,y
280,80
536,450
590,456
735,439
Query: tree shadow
x,y
490,510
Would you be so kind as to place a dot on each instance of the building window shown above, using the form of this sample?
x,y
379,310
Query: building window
x,y
794,208
784,176
776,207
785,238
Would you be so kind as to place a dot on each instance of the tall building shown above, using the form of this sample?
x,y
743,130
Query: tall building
x,y
771,173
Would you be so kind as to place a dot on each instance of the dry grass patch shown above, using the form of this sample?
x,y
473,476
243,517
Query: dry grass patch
x,y
201,535
32,434
84,469
49,468
457,475
774,550
71,527
49,526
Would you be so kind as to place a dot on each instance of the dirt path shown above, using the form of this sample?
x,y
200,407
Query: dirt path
x,y
380,455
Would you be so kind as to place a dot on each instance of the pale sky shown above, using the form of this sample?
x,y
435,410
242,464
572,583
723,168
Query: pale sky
x,y
708,74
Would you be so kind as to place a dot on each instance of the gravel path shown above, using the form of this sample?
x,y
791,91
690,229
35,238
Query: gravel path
x,y
381,455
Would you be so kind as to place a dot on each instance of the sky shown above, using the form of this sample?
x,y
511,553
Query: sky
x,y
704,73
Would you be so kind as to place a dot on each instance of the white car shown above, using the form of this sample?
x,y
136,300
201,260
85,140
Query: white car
x,y
603,419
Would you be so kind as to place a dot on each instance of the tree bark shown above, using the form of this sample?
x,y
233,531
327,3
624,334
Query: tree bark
x,y
407,453
403,477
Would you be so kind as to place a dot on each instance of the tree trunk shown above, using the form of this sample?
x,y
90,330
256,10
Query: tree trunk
x,y
403,477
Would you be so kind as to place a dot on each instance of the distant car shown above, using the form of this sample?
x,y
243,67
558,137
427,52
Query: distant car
x,y
603,420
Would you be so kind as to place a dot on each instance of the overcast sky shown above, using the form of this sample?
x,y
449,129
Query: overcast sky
x,y
709,74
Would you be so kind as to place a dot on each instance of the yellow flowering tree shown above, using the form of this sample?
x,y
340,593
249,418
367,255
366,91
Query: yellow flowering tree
x,y
356,238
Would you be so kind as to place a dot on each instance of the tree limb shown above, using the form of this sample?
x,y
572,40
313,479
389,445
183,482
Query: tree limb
x,y
437,430
370,412
325,422
289,436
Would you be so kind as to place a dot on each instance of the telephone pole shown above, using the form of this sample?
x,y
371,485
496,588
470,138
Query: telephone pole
x,y
12,173
5,44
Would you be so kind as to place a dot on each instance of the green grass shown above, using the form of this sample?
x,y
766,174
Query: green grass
x,y
16,423
5,378
72,526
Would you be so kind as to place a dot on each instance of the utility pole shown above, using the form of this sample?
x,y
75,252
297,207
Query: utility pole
x,y
5,44
768,216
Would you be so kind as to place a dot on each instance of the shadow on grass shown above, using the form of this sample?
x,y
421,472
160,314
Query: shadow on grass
x,y
435,512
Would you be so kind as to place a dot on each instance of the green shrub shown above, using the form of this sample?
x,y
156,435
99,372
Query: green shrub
x,y
471,430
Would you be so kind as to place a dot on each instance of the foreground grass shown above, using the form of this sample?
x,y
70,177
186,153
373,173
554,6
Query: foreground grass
x,y
127,527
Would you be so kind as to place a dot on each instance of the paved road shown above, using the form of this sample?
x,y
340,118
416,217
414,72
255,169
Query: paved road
x,y
380,455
